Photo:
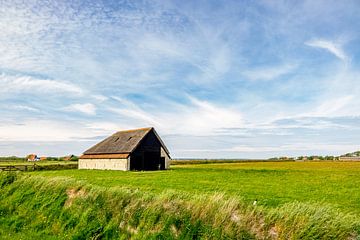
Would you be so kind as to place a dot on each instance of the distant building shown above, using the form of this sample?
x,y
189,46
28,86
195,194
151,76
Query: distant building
x,y
354,158
32,158
68,158
138,149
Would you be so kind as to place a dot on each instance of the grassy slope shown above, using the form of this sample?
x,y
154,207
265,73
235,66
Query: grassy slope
x,y
35,207
272,183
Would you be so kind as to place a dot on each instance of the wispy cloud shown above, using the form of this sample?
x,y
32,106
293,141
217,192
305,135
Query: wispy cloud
x,y
268,73
27,84
330,46
36,130
23,108
198,117
86,108
332,107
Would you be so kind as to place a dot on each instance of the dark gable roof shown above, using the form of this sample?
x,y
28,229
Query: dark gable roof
x,y
122,142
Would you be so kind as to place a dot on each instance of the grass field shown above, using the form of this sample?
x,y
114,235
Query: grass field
x,y
271,183
296,200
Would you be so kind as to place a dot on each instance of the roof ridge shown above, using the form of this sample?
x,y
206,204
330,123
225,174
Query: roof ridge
x,y
135,129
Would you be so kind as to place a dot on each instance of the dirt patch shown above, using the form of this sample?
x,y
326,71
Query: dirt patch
x,y
235,217
274,232
72,194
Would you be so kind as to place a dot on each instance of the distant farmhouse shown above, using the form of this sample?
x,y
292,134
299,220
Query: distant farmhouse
x,y
138,149
32,158
354,156
349,158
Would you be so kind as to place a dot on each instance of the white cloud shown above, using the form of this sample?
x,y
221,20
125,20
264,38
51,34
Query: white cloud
x,y
332,106
100,98
198,117
130,110
23,108
203,117
38,130
105,127
87,108
330,46
20,84
268,73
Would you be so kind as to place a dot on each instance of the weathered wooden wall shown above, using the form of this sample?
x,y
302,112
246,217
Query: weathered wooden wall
x,y
104,164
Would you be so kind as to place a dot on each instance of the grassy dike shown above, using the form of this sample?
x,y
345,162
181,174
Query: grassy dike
x,y
63,208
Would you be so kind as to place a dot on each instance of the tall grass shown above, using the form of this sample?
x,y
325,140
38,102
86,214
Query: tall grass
x,y
62,208
272,183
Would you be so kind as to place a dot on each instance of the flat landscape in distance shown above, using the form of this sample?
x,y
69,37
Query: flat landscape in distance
x,y
271,183
40,163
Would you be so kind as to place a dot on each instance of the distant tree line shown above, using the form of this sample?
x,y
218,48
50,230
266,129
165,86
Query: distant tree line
x,y
21,159
67,158
306,158
12,159
353,154
314,157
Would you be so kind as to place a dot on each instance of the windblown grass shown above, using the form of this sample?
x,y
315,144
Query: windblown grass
x,y
64,208
271,183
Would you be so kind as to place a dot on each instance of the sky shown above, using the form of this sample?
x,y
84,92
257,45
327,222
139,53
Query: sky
x,y
217,79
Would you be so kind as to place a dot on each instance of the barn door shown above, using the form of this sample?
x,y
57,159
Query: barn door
x,y
136,163
151,160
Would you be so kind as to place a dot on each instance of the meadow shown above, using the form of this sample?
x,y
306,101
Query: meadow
x,y
271,183
295,200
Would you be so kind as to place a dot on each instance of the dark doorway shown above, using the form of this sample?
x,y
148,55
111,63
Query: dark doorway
x,y
151,160
162,163
147,161
136,163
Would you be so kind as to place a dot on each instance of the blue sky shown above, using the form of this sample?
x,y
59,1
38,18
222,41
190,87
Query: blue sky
x,y
233,79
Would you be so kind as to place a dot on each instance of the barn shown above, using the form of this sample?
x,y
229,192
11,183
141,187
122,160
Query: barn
x,y
137,149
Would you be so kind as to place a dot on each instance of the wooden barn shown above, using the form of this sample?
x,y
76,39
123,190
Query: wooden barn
x,y
137,149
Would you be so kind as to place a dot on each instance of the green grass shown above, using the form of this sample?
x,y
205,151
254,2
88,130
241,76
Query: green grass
x,y
35,207
271,183
296,200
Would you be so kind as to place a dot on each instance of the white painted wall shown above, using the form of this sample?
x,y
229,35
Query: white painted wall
x,y
104,164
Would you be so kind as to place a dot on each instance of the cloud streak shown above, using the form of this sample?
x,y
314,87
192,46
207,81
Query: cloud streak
x,y
28,84
268,73
330,46
86,108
